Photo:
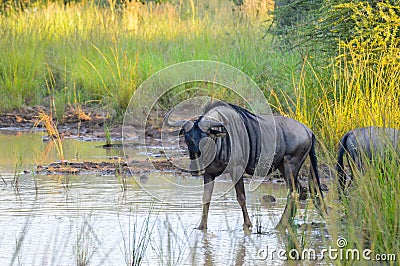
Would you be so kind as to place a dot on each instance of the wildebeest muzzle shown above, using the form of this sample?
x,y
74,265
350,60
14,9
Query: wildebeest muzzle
x,y
196,167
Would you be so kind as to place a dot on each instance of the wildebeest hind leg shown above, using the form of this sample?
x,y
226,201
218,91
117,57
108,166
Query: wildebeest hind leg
x,y
290,209
288,214
241,198
290,169
316,194
208,190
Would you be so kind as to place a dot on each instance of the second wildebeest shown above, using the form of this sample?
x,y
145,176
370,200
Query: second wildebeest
x,y
367,143
230,139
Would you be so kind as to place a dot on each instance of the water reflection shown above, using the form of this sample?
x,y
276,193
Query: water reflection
x,y
59,219
33,151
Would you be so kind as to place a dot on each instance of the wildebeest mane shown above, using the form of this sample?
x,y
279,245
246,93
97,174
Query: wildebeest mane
x,y
251,123
245,114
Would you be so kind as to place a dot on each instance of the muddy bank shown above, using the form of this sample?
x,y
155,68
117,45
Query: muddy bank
x,y
119,166
114,166
87,122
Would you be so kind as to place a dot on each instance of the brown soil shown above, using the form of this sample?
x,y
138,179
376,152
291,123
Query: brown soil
x,y
115,166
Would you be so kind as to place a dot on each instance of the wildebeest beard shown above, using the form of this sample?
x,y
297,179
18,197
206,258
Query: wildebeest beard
x,y
202,155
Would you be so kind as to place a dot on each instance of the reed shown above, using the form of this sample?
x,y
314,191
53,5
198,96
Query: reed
x,y
83,249
47,121
139,237
17,171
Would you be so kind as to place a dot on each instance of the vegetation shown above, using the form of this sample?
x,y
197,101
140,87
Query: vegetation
x,y
319,25
370,213
136,243
98,54
356,86
82,250
47,122
342,72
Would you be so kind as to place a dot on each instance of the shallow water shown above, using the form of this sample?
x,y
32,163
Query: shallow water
x,y
56,219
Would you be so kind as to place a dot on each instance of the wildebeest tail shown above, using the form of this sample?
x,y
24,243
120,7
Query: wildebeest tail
x,y
314,166
314,181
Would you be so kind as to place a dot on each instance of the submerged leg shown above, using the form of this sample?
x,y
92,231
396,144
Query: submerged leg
x,y
289,213
316,194
290,174
342,184
208,190
290,169
343,177
241,198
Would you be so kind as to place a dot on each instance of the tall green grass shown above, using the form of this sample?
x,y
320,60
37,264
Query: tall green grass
x,y
351,92
358,89
370,214
360,86
102,54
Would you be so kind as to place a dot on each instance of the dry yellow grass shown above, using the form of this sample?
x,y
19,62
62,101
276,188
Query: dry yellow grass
x,y
47,121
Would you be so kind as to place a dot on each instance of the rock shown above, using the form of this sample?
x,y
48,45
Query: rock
x,y
268,199
303,193
324,187
144,178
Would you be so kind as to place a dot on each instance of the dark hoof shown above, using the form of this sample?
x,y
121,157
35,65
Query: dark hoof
x,y
247,228
144,178
201,227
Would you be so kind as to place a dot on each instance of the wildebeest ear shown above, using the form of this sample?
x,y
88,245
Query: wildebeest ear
x,y
216,133
174,133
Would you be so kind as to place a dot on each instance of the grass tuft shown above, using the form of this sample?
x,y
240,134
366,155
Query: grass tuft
x,y
47,121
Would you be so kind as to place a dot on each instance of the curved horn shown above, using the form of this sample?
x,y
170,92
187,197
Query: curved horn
x,y
179,123
188,125
207,124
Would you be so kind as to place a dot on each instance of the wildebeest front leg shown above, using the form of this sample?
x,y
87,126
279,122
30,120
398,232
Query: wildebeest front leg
x,y
208,190
241,198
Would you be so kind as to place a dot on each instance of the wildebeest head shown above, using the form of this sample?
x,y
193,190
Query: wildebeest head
x,y
196,132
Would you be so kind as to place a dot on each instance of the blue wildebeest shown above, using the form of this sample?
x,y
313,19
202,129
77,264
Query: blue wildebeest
x,y
243,141
365,143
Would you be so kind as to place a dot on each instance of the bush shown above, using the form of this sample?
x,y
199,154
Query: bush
x,y
323,24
